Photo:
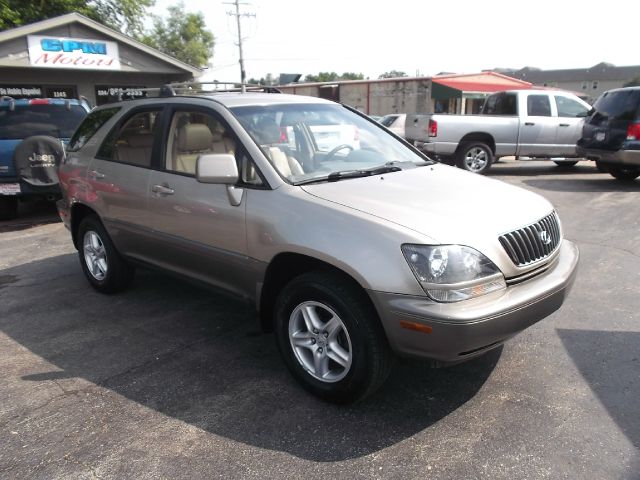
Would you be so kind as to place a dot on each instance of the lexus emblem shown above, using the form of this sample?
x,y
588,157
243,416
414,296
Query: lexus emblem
x,y
545,238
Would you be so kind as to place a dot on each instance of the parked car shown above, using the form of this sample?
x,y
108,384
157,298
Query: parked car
x,y
611,133
395,122
31,132
524,123
352,256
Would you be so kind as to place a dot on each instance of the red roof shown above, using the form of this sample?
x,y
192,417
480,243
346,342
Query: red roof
x,y
481,82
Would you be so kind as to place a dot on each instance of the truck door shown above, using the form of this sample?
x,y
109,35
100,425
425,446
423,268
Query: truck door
x,y
537,134
571,115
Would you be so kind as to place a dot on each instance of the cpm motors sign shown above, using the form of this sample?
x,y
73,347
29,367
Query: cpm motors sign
x,y
74,53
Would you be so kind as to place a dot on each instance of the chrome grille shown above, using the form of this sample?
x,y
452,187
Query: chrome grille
x,y
533,242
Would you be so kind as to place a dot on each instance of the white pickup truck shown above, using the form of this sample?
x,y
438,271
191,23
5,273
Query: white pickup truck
x,y
524,123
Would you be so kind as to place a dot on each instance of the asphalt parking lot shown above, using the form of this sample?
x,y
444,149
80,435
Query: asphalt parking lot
x,y
169,381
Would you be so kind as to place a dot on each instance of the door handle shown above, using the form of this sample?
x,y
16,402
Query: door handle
x,y
529,124
96,175
162,190
564,124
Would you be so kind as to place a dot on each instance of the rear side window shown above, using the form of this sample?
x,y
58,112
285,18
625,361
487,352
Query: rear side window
x,y
89,127
501,104
388,120
622,105
538,106
568,107
40,119
133,143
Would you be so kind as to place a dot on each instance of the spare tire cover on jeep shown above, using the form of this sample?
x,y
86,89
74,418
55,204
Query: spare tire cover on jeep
x,y
36,160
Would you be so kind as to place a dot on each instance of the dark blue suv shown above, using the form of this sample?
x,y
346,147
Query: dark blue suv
x,y
32,135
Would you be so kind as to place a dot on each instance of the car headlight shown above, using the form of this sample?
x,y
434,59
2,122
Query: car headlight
x,y
451,273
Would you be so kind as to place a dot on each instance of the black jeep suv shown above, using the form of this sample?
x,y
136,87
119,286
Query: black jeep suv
x,y
611,133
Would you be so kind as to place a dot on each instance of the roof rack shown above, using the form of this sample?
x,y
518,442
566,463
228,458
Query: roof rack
x,y
194,88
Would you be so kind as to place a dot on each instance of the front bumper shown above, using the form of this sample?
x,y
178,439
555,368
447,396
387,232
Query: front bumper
x,y
620,157
463,330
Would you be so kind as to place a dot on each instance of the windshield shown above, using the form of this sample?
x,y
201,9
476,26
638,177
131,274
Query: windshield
x,y
621,104
311,141
48,119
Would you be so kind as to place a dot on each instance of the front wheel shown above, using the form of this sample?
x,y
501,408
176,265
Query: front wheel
x,y
8,207
474,157
626,174
101,263
330,337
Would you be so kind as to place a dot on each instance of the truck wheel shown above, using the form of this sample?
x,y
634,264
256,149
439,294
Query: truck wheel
x,y
602,167
626,174
566,164
330,338
8,208
474,157
101,263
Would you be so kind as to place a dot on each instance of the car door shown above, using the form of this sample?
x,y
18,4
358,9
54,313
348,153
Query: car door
x,y
571,115
200,226
118,179
538,126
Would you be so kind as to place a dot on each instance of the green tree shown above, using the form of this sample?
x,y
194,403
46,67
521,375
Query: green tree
x,y
123,15
352,76
182,35
392,74
633,83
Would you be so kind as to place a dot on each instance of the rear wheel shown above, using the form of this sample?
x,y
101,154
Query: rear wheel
x,y
330,338
8,208
626,174
474,157
101,263
602,167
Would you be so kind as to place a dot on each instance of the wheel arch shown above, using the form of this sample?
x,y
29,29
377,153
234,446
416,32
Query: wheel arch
x,y
79,211
283,268
483,137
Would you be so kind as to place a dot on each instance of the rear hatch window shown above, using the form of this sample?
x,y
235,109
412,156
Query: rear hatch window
x,y
614,111
39,119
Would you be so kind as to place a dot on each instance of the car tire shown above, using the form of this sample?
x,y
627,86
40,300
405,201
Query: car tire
x,y
567,164
602,167
474,157
101,263
625,174
330,337
8,208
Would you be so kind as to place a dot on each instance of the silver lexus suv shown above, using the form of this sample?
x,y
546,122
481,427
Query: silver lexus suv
x,y
353,246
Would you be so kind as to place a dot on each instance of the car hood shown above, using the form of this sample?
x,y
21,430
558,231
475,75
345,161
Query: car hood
x,y
446,204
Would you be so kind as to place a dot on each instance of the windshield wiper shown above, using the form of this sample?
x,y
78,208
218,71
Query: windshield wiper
x,y
341,175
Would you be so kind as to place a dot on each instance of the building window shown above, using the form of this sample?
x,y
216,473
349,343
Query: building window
x,y
584,85
594,85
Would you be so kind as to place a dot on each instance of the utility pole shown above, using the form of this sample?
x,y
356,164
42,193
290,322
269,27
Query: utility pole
x,y
237,14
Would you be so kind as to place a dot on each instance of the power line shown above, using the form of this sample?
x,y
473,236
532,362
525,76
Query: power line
x,y
237,14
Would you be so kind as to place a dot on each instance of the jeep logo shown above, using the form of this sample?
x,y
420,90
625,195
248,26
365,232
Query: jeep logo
x,y
44,160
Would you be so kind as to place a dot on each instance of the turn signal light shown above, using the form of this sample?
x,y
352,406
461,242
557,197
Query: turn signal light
x,y
418,327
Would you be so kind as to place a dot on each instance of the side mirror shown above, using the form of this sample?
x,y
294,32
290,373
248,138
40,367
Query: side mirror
x,y
217,168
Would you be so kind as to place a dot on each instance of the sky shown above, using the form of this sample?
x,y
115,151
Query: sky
x,y
417,37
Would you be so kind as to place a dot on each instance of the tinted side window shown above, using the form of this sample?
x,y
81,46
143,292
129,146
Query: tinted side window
x,y
538,106
568,107
501,104
388,120
89,127
623,104
133,142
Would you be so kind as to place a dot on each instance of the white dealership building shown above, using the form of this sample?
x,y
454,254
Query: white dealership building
x,y
72,56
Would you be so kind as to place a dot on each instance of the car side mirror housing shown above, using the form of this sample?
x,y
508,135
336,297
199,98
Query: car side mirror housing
x,y
217,168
